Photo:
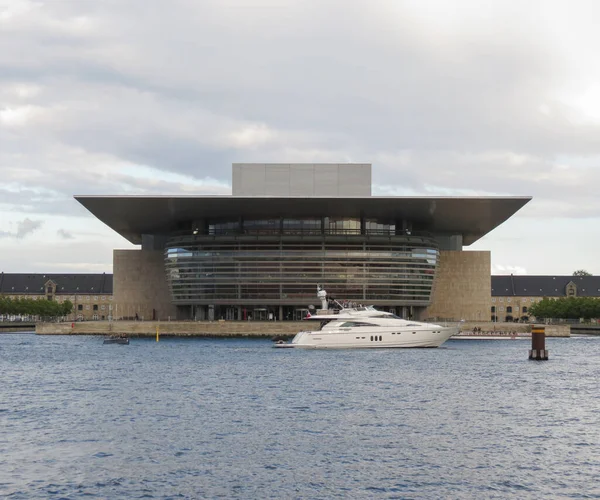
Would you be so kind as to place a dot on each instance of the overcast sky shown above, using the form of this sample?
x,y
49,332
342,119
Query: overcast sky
x,y
155,97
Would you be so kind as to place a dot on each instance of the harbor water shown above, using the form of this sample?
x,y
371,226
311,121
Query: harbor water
x,y
234,418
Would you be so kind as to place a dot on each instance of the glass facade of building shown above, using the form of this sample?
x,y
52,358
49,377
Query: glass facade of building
x,y
281,261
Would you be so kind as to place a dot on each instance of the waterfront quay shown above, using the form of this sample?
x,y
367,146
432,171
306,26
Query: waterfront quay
x,y
254,329
222,328
16,327
482,330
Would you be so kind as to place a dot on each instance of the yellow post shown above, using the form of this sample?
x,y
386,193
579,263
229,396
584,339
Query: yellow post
x,y
157,333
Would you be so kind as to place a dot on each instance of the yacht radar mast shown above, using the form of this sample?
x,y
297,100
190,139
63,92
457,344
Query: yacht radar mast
x,y
322,295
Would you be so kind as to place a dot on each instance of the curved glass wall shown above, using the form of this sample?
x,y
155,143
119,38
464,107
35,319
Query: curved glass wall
x,y
321,225
204,269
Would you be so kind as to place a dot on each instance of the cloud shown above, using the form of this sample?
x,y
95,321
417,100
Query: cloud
x,y
64,234
508,269
90,255
27,226
465,99
436,102
24,227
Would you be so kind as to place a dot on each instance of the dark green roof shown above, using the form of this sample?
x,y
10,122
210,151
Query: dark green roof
x,y
544,286
32,283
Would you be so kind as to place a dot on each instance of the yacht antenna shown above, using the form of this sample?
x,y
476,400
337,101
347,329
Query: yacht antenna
x,y
322,295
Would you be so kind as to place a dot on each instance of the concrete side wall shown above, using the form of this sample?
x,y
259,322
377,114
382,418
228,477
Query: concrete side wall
x,y
557,330
140,285
462,289
176,328
301,179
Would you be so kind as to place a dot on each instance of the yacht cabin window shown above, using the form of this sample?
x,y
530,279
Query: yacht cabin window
x,y
352,324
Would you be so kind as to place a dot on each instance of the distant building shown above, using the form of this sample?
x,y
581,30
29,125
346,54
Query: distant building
x,y
91,294
512,296
261,253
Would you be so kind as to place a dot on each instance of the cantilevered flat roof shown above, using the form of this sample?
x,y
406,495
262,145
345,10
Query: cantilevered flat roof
x,y
472,217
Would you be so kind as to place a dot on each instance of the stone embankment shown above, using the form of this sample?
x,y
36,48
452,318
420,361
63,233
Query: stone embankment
x,y
9,327
259,329
518,329
586,329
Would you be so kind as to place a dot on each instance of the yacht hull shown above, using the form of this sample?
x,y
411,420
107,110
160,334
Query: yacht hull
x,y
372,339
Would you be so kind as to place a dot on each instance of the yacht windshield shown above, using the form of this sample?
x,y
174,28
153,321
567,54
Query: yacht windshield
x,y
323,323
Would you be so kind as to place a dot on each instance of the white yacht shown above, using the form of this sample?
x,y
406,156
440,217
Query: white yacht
x,y
366,327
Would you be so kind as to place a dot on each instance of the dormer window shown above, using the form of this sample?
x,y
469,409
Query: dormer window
x,y
50,289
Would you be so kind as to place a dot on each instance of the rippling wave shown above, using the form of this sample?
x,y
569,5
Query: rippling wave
x,y
200,418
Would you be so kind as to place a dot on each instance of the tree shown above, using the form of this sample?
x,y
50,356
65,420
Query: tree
x,y
581,272
566,308
67,308
43,309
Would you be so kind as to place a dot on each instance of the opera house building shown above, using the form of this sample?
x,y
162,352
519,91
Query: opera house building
x,y
260,253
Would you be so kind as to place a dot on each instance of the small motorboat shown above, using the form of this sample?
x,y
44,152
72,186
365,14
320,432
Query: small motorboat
x,y
116,340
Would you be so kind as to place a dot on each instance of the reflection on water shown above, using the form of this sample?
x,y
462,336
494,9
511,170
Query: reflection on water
x,y
192,418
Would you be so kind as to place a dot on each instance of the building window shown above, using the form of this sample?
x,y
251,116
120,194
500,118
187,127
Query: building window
x,y
493,299
87,297
95,307
95,317
87,307
103,307
103,297
509,309
501,309
508,300
501,299
493,309
110,298
80,307
524,309
95,297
